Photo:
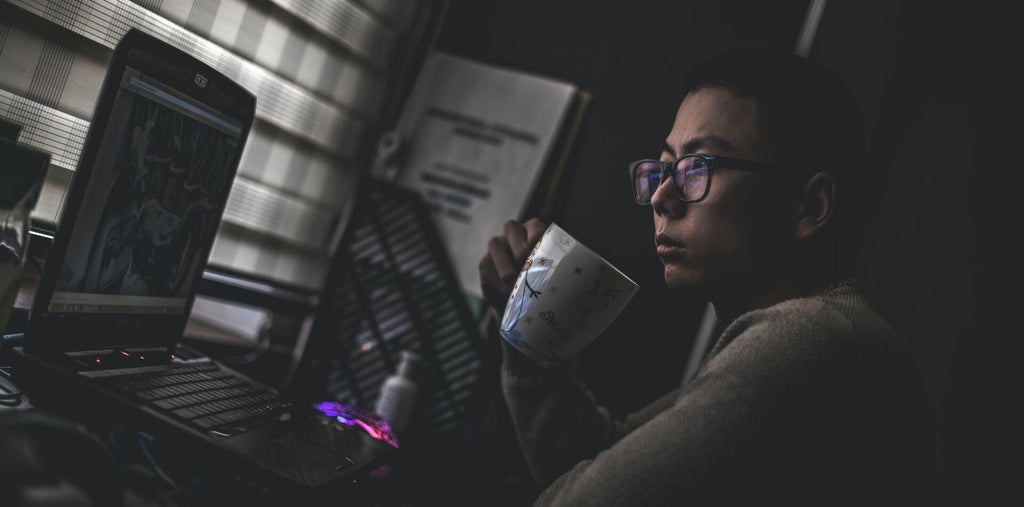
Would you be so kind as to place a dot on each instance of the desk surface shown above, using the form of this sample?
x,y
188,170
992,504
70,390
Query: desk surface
x,y
474,473
481,472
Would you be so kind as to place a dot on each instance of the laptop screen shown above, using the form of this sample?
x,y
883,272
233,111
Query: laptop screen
x,y
145,202
153,198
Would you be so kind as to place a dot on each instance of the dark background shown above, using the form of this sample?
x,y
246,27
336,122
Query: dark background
x,y
938,87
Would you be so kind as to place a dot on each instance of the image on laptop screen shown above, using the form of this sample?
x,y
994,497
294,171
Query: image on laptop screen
x,y
152,203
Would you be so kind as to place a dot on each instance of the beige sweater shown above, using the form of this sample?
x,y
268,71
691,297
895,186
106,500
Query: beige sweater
x,y
810,401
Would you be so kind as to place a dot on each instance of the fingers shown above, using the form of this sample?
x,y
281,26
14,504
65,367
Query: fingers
x,y
501,263
534,230
523,236
498,272
505,263
516,235
496,300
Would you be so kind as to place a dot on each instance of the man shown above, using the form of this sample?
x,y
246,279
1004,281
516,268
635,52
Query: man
x,y
806,396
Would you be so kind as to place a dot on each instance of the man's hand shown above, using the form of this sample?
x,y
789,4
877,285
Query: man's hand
x,y
501,264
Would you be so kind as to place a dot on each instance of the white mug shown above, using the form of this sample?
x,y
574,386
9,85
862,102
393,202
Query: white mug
x,y
565,296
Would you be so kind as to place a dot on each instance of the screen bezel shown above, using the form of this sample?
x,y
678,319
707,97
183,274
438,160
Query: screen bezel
x,y
177,69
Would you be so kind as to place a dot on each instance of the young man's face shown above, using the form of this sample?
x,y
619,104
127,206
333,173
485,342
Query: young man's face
x,y
742,232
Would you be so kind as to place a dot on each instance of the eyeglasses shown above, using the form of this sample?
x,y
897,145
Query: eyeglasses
x,y
690,175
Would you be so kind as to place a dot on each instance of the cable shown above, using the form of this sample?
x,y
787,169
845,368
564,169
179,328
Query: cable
x,y
152,462
148,479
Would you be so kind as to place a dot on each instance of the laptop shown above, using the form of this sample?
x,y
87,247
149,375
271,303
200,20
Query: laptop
x,y
104,334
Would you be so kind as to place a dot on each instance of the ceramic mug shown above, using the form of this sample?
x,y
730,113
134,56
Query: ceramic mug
x,y
565,296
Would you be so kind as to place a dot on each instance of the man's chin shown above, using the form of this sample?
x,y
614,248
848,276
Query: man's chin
x,y
682,279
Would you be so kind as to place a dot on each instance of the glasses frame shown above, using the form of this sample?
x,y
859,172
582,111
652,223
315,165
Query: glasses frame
x,y
712,161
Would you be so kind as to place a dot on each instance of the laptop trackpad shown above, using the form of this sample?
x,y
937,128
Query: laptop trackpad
x,y
313,452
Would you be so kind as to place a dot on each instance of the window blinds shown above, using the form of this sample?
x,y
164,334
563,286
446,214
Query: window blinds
x,y
321,71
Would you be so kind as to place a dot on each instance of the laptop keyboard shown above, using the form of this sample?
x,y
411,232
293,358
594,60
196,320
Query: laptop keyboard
x,y
204,395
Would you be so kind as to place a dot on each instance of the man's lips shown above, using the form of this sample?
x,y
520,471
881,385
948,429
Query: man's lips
x,y
667,246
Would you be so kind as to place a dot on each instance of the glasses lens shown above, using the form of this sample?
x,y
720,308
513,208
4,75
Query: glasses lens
x,y
691,178
646,179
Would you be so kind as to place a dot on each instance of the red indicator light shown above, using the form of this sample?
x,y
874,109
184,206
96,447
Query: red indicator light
x,y
125,354
142,357
97,360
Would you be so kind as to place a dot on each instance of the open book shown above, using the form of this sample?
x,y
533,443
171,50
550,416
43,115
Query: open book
x,y
474,141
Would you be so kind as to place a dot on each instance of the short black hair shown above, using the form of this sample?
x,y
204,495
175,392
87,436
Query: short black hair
x,y
808,114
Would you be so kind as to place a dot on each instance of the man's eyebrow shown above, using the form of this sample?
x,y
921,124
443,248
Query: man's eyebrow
x,y
708,143
669,149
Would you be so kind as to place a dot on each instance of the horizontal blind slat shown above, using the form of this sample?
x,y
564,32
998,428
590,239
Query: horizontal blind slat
x,y
347,23
265,257
255,205
278,101
261,208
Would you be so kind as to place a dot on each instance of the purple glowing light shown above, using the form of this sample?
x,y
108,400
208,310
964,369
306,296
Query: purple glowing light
x,y
371,423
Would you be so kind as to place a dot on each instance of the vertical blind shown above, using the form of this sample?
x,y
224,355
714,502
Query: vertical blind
x,y
321,70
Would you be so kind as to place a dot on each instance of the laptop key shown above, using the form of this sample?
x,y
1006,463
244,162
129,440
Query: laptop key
x,y
186,413
165,404
233,416
206,422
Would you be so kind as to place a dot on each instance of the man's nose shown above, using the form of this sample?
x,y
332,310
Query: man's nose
x,y
664,200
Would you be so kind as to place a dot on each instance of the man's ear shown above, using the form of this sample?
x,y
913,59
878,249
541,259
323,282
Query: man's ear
x,y
817,205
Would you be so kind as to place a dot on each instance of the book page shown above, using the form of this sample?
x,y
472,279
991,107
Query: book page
x,y
476,139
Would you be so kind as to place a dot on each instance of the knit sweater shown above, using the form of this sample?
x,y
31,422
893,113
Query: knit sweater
x,y
809,401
